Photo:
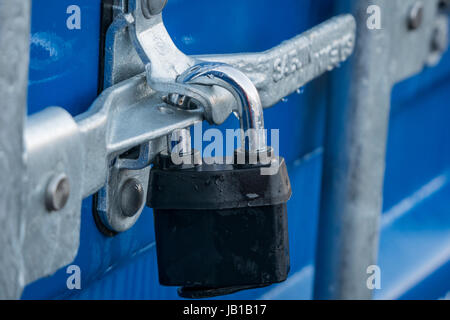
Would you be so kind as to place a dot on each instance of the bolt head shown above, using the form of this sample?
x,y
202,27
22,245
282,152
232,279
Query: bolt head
x,y
415,17
153,7
131,197
57,192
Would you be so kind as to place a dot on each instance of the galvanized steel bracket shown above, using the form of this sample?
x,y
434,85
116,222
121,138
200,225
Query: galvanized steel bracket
x,y
68,159
276,73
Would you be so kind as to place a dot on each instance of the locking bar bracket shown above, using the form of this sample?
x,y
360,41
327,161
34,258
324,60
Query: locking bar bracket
x,y
274,73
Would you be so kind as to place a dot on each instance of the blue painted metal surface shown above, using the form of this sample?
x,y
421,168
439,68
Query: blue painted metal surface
x,y
415,241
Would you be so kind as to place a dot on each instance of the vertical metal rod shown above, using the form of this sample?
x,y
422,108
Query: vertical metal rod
x,y
354,165
14,43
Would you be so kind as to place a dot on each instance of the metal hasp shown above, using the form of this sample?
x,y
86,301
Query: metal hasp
x,y
53,160
355,144
275,73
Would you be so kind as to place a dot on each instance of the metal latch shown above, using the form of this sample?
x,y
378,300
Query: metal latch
x,y
275,74
110,147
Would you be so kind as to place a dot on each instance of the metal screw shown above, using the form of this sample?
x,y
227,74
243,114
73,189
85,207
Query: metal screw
x,y
57,193
152,7
131,197
415,16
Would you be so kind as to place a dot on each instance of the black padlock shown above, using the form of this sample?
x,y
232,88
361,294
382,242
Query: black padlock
x,y
219,228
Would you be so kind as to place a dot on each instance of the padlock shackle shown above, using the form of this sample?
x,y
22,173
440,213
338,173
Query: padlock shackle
x,y
250,108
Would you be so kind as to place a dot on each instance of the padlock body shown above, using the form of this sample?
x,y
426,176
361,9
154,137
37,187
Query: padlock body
x,y
220,228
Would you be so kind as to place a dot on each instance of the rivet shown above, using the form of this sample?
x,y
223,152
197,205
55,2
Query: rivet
x,y
131,197
57,192
152,7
